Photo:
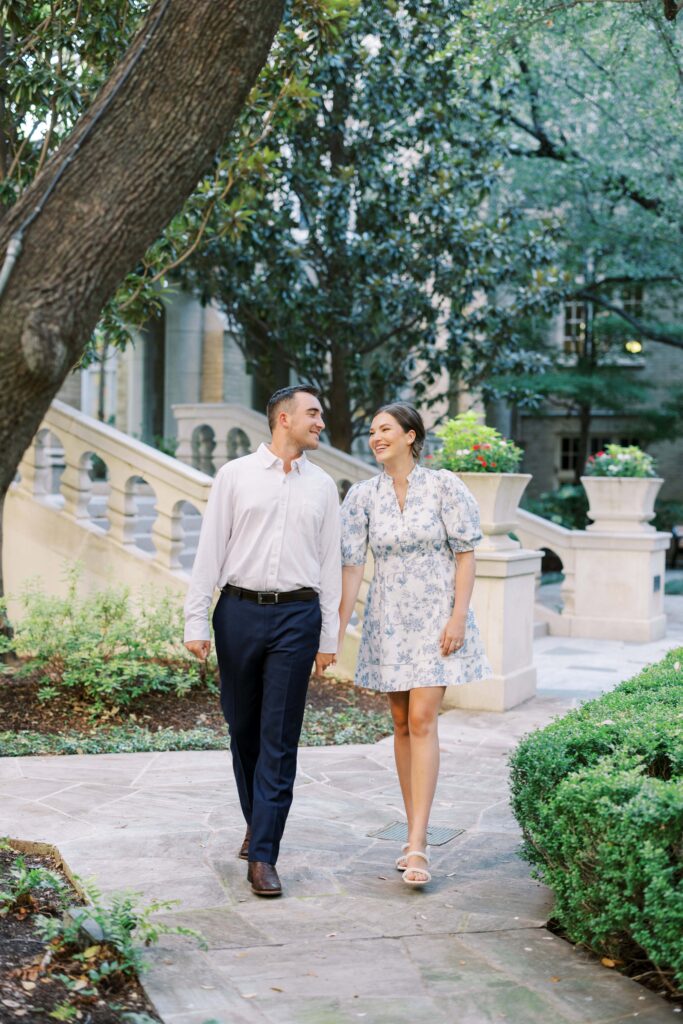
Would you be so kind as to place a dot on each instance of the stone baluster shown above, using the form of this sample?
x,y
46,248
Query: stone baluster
x,y
167,535
121,505
34,468
76,484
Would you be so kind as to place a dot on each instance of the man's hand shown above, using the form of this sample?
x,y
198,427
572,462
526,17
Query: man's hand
x,y
323,661
200,648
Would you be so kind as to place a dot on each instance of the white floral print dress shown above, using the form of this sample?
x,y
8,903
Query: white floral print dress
x,y
411,594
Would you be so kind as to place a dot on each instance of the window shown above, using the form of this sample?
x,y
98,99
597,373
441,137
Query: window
x,y
574,333
632,299
569,453
598,444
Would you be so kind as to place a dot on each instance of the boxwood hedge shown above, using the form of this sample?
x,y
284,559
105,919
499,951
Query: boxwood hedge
x,y
599,797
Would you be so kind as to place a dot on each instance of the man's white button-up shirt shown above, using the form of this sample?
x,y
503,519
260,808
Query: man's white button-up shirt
x,y
268,530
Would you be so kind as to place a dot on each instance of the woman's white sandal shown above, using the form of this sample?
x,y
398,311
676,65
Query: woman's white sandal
x,y
422,871
401,863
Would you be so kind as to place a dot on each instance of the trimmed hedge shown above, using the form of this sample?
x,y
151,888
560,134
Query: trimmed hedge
x,y
599,797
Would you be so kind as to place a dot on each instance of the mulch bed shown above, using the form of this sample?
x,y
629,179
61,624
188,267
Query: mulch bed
x,y
29,988
336,712
20,707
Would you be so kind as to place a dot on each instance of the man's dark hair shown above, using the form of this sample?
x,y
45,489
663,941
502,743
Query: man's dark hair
x,y
283,395
408,418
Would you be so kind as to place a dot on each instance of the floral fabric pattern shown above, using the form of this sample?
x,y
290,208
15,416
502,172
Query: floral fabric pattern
x,y
411,594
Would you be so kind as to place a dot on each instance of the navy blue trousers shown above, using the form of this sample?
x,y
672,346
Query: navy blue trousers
x,y
265,656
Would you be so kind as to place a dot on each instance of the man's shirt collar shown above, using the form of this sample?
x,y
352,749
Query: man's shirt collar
x,y
269,459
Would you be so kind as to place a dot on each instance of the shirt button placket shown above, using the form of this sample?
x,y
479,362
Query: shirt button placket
x,y
279,534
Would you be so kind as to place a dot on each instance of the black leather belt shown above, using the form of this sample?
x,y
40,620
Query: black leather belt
x,y
271,596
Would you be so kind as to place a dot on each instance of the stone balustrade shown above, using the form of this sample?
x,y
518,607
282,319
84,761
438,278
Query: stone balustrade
x,y
210,434
124,497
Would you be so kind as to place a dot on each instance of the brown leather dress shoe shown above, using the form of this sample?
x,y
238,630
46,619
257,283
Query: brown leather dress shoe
x,y
244,848
264,878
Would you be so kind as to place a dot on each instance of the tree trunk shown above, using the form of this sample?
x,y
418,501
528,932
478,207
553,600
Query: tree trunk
x,y
338,414
101,384
585,415
126,169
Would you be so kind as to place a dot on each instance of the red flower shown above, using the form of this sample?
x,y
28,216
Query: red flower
x,y
486,446
482,460
599,455
591,458
493,465
476,447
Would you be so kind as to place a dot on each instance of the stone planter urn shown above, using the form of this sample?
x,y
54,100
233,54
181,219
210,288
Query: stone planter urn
x,y
498,496
621,504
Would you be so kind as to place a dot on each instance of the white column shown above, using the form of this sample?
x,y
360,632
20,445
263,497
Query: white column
x,y
183,362
135,380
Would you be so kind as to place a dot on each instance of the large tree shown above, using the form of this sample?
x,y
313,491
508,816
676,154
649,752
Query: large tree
x,y
117,178
376,259
590,105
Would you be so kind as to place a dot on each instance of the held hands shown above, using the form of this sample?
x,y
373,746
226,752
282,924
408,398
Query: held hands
x,y
452,635
323,661
200,648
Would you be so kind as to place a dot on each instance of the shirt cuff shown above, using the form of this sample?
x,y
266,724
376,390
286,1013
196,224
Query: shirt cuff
x,y
196,629
327,644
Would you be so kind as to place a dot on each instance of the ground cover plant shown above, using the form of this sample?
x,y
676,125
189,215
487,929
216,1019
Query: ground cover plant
x,y
599,796
53,969
108,673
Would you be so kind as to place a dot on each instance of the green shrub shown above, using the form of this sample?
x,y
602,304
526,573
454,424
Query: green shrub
x,y
104,648
567,506
667,515
599,797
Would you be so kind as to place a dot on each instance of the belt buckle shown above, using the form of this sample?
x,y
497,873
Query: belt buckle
x,y
262,594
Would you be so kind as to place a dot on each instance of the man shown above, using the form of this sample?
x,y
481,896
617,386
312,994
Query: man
x,y
270,541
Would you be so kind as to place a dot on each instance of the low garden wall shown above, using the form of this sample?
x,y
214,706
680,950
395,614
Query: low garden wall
x,y
599,797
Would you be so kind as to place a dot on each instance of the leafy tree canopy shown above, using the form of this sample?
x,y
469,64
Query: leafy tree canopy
x,y
378,258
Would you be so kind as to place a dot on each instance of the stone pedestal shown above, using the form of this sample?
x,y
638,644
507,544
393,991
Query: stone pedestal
x,y
619,586
503,602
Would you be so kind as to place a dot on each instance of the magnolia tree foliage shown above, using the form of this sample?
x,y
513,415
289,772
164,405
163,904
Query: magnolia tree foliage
x,y
378,259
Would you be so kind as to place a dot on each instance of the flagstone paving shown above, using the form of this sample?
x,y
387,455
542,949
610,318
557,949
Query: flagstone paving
x,y
349,941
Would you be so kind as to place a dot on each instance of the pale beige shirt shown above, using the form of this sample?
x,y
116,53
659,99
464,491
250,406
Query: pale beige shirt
x,y
268,530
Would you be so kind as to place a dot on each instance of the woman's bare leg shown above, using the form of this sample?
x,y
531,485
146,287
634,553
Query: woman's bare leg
x,y
423,710
398,702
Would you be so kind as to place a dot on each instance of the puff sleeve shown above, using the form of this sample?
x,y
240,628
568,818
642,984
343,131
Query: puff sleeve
x,y
354,525
459,513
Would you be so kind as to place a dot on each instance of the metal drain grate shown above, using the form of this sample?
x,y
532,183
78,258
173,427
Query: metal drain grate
x,y
437,835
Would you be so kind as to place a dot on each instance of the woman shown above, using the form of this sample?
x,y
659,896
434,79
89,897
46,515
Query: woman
x,y
419,635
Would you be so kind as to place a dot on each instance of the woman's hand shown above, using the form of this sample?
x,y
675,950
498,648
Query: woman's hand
x,y
453,635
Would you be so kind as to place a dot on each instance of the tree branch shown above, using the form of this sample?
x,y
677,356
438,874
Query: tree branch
x,y
646,330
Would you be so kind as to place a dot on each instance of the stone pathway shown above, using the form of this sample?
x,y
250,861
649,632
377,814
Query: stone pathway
x,y
349,941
